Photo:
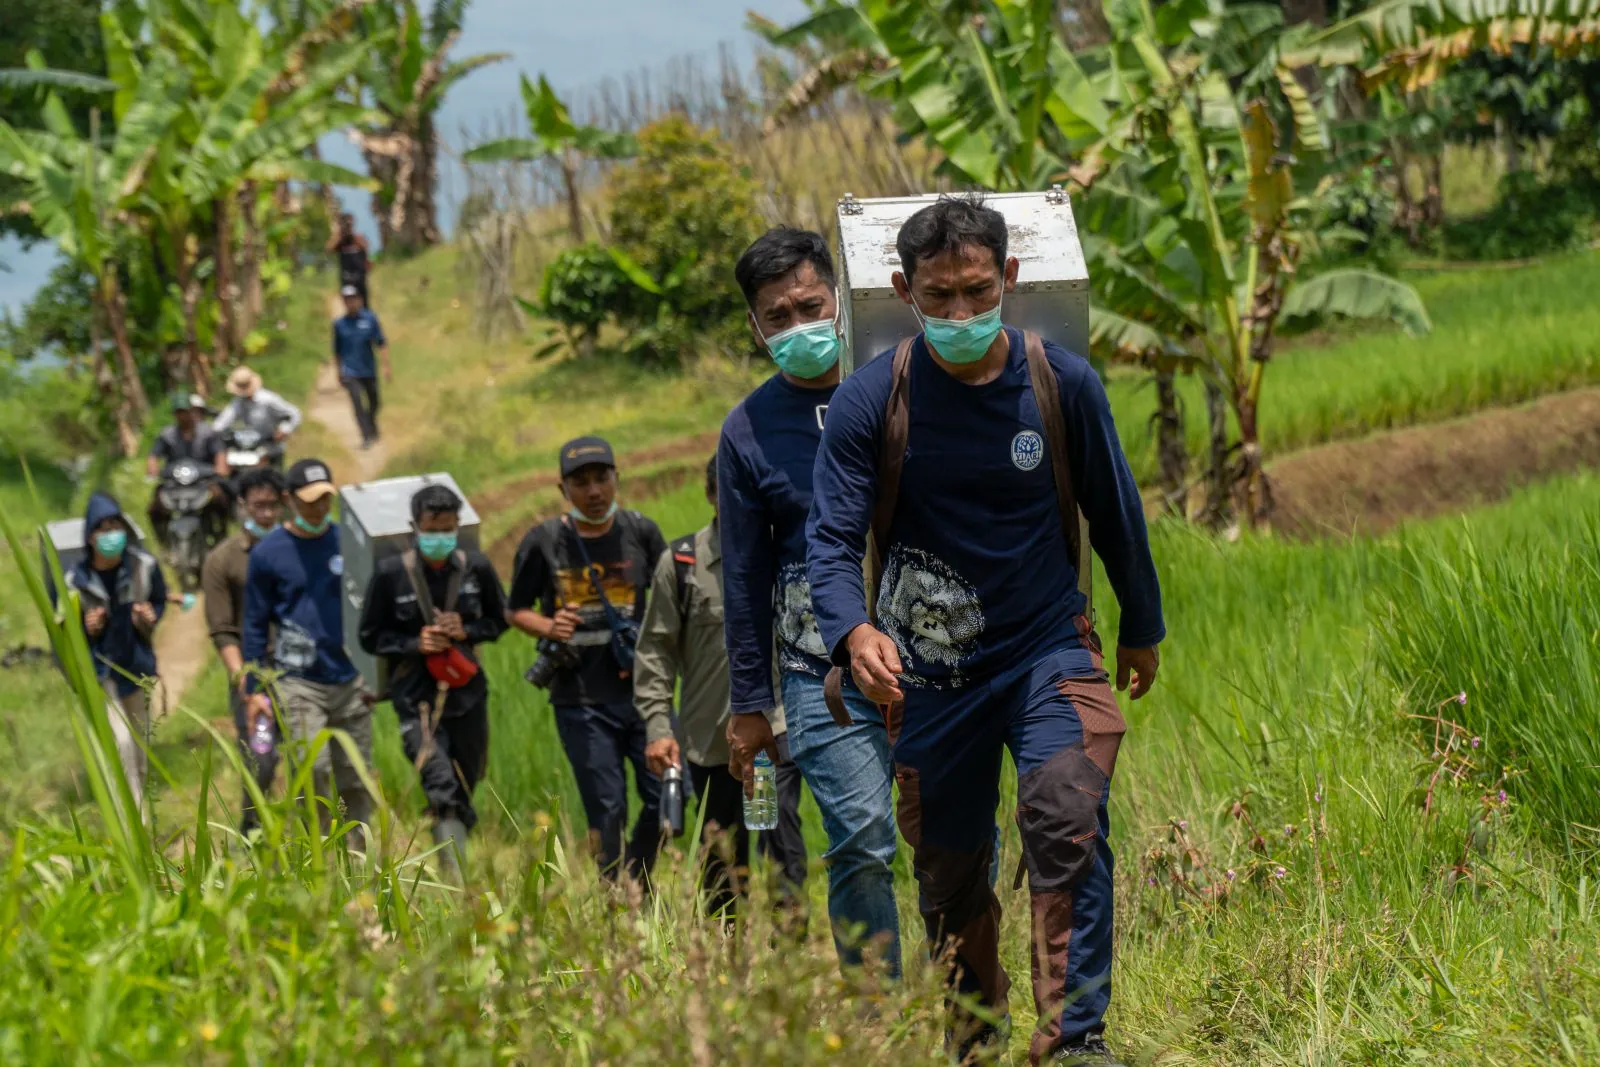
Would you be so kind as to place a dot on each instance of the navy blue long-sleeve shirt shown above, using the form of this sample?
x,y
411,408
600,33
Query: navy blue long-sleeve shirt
x,y
356,340
977,576
765,462
294,585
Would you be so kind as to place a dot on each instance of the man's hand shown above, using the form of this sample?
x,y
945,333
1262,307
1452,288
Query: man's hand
x,y
661,754
144,615
388,371
280,435
433,640
94,621
450,622
259,704
748,735
1139,664
874,664
564,623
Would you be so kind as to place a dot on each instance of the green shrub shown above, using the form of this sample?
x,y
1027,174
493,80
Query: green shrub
x,y
1530,217
684,204
584,287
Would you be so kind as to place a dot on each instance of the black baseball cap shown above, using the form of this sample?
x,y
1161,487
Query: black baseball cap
x,y
310,480
586,452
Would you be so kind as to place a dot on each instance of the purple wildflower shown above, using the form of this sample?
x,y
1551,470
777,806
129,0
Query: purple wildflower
x,y
1502,796
1461,697
1232,874
1476,741
1279,872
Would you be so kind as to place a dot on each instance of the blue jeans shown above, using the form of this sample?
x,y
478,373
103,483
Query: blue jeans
x,y
850,774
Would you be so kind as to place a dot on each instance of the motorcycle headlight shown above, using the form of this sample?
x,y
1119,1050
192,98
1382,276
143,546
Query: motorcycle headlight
x,y
186,475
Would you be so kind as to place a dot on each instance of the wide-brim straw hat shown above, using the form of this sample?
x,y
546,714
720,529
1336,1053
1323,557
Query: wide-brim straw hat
x,y
243,381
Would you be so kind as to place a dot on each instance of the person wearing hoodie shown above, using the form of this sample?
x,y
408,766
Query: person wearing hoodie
x,y
293,595
122,597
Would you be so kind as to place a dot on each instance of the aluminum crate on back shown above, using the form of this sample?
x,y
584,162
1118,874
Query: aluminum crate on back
x,y
374,523
1052,295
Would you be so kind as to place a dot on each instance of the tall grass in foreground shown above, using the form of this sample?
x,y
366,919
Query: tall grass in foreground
x,y
1518,635
1283,898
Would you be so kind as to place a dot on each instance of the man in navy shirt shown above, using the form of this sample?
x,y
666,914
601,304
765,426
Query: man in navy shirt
x,y
982,629
358,343
293,592
764,470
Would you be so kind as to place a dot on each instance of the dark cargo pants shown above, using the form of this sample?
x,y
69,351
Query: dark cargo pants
x,y
600,741
1063,730
450,755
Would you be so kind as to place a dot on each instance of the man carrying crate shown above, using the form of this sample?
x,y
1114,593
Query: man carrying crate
x,y
427,610
964,457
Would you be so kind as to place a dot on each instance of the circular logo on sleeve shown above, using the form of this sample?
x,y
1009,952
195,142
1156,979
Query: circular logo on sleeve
x,y
336,564
1027,450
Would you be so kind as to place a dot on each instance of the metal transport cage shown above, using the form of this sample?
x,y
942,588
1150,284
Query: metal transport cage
x,y
1052,294
374,523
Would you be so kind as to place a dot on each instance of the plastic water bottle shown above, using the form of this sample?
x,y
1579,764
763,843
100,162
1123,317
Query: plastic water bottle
x,y
761,807
261,738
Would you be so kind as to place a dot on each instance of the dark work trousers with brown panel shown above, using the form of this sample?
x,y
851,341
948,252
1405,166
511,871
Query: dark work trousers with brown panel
x,y
1062,729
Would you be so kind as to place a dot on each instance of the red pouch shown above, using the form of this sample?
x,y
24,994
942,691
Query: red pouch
x,y
452,668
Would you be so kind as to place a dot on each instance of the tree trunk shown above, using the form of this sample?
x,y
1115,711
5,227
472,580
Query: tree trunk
x,y
194,367
405,163
1433,191
1255,498
226,340
251,253
105,381
1407,217
1171,450
569,179
1218,482
1509,148
116,310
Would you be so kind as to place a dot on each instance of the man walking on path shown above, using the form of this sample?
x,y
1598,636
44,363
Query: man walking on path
x,y
579,585
980,626
427,610
682,636
354,263
358,345
222,580
293,592
764,473
123,597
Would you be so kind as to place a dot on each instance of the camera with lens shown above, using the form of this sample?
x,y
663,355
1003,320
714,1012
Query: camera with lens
x,y
554,657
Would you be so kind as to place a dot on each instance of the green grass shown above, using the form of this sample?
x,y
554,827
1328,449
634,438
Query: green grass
x,y
1367,949
1500,336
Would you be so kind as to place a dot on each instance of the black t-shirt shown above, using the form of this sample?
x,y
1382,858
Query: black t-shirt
x,y
202,447
352,261
549,573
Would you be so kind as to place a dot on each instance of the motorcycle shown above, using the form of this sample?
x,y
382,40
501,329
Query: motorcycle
x,y
185,491
249,448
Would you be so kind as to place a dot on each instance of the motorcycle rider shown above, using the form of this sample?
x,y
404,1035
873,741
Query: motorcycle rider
x,y
256,408
189,438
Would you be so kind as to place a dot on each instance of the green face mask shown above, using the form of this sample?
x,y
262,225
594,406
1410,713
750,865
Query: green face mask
x,y
314,529
965,341
435,547
806,351
111,544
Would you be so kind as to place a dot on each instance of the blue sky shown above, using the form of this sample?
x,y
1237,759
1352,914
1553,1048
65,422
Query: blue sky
x,y
574,44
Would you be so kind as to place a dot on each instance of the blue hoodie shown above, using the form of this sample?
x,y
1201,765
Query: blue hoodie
x,y
123,647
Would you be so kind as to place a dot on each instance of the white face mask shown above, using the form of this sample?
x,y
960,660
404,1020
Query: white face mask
x,y
578,516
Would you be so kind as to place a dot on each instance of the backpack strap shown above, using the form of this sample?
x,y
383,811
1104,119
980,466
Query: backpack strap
x,y
419,583
1047,397
683,569
891,463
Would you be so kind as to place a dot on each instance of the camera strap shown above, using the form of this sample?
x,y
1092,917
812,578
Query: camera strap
x,y
613,619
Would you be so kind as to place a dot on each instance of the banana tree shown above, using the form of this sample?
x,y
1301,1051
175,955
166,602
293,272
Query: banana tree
x,y
407,84
1201,262
83,195
251,110
555,135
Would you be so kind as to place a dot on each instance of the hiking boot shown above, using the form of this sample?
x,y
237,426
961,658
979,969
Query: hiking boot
x,y
1090,1051
980,1042
452,834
